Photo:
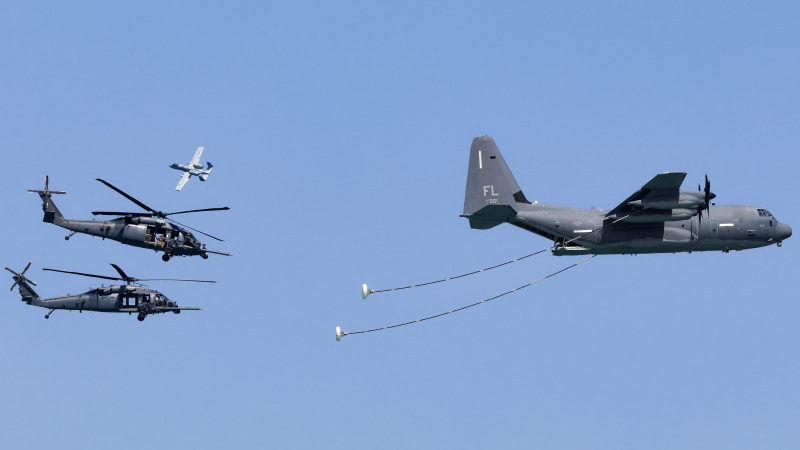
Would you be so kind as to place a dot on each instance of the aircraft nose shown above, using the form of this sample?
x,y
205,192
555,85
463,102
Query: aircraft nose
x,y
783,231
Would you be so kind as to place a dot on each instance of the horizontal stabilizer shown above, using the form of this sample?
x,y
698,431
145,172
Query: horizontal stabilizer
x,y
490,216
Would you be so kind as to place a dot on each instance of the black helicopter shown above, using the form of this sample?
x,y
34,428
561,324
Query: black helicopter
x,y
123,299
148,230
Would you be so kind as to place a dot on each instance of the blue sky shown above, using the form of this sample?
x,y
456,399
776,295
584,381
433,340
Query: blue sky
x,y
340,135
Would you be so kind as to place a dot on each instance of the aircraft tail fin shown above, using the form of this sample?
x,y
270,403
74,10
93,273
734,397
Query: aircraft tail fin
x,y
27,292
208,172
492,192
51,212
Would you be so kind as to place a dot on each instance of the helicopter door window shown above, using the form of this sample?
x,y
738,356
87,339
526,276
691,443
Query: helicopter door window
x,y
126,300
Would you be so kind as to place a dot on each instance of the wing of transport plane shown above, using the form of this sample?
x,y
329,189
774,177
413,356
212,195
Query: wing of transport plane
x,y
663,184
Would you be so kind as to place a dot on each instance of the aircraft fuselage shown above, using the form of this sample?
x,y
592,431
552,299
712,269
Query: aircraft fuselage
x,y
725,228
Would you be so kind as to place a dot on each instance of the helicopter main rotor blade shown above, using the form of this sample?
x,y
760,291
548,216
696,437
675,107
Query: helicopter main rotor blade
x,y
197,210
173,279
86,274
121,273
140,204
120,213
195,229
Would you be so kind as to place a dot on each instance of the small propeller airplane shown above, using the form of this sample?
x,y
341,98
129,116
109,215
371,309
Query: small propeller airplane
x,y
192,168
148,230
658,218
120,299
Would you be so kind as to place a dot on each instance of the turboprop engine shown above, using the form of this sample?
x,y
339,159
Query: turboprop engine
x,y
660,215
686,199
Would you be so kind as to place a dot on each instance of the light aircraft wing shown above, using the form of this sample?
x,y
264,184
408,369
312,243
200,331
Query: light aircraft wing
x,y
196,157
182,181
663,181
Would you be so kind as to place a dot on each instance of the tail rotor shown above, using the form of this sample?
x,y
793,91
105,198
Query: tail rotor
x,y
20,277
46,192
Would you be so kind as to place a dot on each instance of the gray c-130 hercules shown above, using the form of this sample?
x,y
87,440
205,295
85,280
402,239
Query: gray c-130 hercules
x,y
148,230
658,218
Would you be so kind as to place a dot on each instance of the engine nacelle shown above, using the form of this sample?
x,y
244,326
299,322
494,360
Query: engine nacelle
x,y
683,201
197,166
660,215
120,289
148,221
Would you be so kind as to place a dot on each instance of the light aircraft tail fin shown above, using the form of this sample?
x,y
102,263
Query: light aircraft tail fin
x,y
205,175
492,192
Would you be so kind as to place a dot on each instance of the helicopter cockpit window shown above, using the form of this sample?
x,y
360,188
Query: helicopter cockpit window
x,y
161,300
190,239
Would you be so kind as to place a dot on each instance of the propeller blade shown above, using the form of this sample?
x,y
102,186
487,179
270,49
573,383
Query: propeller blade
x,y
140,204
86,274
197,210
14,285
120,213
194,229
173,279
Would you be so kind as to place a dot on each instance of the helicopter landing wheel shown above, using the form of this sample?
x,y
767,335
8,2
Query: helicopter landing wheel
x,y
165,257
141,317
66,238
47,316
204,256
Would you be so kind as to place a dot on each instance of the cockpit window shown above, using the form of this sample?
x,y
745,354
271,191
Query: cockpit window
x,y
763,213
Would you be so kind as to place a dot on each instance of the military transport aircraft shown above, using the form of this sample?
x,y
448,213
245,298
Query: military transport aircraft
x,y
147,230
125,299
658,218
193,168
